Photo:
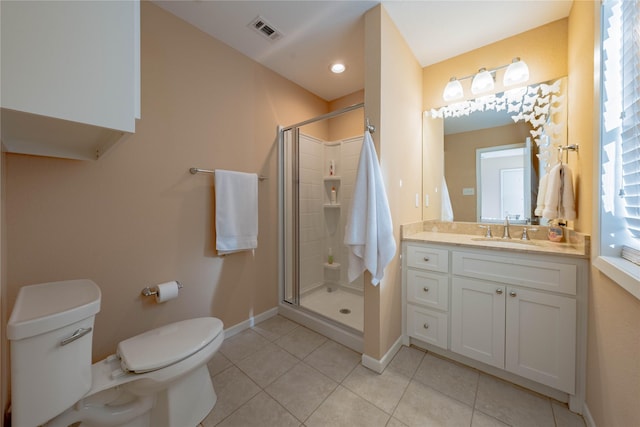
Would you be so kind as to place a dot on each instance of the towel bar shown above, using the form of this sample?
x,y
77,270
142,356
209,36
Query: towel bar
x,y
198,170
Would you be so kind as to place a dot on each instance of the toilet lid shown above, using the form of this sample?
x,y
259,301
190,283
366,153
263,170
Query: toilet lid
x,y
167,344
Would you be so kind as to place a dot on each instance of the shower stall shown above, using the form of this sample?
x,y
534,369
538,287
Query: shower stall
x,y
317,173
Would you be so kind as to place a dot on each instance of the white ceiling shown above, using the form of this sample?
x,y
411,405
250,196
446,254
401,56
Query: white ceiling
x,y
317,33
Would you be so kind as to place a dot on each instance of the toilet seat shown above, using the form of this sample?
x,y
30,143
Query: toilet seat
x,y
166,345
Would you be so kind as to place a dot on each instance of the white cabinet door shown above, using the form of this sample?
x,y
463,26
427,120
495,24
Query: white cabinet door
x,y
541,338
70,69
477,320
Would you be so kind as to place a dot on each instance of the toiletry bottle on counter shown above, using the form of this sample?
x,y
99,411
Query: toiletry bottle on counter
x,y
556,233
330,256
334,196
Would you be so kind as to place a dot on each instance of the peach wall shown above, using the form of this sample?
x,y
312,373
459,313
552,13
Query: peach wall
x,y
136,216
348,124
395,85
544,49
613,345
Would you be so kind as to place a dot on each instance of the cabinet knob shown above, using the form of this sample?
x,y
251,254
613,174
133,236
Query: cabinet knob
x,y
499,291
426,259
425,289
426,326
513,294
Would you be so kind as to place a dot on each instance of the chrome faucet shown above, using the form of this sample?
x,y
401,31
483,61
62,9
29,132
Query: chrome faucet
x,y
525,232
487,233
505,234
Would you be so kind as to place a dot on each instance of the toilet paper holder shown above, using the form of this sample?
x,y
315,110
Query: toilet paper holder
x,y
153,291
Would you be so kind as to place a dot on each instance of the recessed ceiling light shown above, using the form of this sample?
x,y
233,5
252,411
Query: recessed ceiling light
x,y
337,68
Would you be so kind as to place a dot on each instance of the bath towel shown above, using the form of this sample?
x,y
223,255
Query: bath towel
x,y
446,213
369,230
542,192
559,200
236,211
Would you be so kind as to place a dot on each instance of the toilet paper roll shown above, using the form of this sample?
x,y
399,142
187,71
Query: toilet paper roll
x,y
167,291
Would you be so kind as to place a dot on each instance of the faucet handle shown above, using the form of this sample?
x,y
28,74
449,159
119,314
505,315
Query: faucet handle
x,y
488,232
525,231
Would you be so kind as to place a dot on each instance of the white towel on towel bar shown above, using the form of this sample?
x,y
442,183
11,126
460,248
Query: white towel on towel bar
x,y
236,211
369,230
559,200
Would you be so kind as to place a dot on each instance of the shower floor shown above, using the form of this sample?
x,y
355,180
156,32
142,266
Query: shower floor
x,y
346,307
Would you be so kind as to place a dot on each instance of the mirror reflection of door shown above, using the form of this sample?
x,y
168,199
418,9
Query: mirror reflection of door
x,y
503,182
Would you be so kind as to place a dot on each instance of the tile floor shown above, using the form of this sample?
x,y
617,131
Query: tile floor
x,y
280,373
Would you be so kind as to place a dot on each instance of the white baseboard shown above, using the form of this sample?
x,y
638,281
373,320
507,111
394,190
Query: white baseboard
x,y
379,365
250,322
588,419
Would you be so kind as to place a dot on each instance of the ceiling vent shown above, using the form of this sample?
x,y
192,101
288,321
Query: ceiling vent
x,y
262,27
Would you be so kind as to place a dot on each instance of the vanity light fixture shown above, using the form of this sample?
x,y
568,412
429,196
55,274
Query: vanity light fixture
x,y
484,80
453,90
337,68
517,72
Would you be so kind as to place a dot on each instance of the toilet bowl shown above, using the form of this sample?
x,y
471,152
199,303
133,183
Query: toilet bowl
x,y
158,378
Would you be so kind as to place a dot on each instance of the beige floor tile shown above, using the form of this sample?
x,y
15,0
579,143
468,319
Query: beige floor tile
x,y
482,420
334,360
394,422
275,327
513,405
301,342
261,411
447,377
565,418
267,364
301,390
218,363
346,409
233,389
423,406
406,361
242,345
383,390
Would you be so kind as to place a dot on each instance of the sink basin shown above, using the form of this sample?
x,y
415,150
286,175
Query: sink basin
x,y
504,242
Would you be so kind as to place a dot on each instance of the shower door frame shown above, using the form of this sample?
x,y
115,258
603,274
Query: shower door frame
x,y
291,308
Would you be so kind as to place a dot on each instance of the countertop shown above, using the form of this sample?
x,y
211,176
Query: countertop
x,y
576,244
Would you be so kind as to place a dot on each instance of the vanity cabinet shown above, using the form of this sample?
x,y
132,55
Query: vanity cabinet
x,y
427,293
519,313
70,77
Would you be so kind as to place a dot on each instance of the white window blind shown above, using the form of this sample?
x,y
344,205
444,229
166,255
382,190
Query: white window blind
x,y
620,174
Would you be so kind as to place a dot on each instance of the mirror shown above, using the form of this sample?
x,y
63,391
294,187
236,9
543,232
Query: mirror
x,y
484,180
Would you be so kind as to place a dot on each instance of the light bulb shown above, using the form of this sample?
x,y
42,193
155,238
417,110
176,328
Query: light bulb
x,y
482,82
337,68
453,90
517,72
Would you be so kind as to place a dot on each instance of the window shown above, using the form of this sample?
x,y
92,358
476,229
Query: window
x,y
620,141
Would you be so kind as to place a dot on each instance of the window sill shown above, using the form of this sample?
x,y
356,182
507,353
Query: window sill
x,y
623,272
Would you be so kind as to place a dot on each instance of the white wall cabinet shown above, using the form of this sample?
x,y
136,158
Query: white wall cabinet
x,y
70,76
522,314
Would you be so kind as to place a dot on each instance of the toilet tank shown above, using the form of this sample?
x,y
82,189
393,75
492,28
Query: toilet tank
x,y
50,332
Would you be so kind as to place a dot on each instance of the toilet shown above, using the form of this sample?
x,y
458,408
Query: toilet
x,y
156,379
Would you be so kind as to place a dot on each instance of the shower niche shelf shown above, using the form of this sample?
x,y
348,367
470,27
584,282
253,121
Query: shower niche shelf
x,y
332,178
334,266
334,205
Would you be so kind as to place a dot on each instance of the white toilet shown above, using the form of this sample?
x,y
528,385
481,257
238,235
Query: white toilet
x,y
155,379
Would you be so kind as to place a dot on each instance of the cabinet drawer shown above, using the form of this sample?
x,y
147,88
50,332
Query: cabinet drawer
x,y
537,274
428,289
428,258
427,325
